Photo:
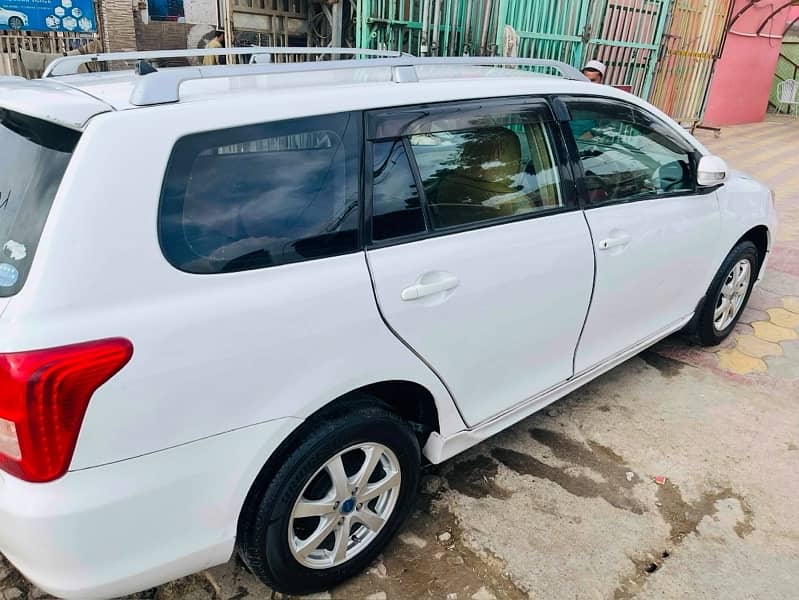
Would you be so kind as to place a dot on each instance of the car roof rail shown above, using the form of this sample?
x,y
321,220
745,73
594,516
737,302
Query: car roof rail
x,y
163,86
69,65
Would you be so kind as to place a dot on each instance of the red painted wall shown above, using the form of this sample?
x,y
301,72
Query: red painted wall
x,y
741,85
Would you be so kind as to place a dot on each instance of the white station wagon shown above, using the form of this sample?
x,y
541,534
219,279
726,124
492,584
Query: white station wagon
x,y
241,305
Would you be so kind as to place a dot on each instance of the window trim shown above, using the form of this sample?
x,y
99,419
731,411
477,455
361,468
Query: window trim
x,y
561,156
377,118
571,144
417,179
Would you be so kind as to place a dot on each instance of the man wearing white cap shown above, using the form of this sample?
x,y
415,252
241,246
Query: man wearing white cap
x,y
594,70
582,128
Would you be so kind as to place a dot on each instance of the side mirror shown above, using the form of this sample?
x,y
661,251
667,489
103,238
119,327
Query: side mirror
x,y
711,171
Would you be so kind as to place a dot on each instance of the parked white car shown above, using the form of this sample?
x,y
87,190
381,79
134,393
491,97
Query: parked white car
x,y
239,305
13,19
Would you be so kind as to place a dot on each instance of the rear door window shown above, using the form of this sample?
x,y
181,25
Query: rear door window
x,y
262,195
501,171
34,155
472,164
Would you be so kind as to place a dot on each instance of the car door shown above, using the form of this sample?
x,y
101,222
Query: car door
x,y
653,231
480,257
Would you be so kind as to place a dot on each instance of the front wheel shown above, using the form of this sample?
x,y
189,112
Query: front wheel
x,y
15,23
728,294
335,502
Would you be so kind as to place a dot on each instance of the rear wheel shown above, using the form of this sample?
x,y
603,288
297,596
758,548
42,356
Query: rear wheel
x,y
335,502
728,294
15,23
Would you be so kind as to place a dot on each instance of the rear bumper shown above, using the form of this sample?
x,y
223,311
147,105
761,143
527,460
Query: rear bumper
x,y
128,526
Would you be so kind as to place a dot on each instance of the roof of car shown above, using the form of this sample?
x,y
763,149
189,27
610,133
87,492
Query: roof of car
x,y
51,100
116,90
72,100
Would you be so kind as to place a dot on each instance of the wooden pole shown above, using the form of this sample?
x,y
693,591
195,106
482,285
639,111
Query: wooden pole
x,y
228,26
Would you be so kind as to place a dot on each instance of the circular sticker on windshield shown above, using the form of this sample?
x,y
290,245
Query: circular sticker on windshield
x,y
8,275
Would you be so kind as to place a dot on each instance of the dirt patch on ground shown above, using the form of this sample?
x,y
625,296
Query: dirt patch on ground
x,y
668,367
683,518
614,487
475,478
429,558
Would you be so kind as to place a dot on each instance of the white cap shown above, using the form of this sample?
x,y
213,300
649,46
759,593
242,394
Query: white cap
x,y
596,66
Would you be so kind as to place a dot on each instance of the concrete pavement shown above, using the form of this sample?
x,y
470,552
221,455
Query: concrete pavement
x,y
565,504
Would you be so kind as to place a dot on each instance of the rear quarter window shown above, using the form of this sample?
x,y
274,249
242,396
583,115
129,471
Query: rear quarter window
x,y
262,195
34,155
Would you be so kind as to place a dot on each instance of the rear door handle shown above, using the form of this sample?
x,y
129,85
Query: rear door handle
x,y
441,283
612,242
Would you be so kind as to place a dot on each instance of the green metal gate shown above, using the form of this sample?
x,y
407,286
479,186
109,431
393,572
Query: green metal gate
x,y
427,27
547,28
624,34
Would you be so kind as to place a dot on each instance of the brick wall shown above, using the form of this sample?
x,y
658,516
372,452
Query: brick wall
x,y
119,33
161,35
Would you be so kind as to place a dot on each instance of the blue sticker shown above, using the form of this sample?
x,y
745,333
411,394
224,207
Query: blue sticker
x,y
8,275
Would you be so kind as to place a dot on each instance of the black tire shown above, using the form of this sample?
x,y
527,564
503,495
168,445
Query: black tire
x,y
263,535
15,23
706,332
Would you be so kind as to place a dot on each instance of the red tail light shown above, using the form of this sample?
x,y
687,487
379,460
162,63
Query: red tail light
x,y
43,398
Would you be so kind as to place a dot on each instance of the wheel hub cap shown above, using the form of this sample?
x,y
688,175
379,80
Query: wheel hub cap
x,y
348,506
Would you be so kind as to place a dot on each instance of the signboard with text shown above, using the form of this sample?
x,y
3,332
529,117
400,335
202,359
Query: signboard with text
x,y
48,15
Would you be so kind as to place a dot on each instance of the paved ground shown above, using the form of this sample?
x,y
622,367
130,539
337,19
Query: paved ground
x,y
564,505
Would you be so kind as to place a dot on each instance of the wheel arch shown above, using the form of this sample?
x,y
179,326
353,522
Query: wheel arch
x,y
408,399
760,236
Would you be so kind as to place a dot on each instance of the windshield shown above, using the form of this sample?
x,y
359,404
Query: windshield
x,y
33,157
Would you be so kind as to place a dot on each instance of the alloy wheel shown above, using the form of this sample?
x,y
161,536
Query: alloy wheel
x,y
344,506
732,294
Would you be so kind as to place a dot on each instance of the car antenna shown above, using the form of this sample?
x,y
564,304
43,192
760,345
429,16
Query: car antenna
x,y
144,68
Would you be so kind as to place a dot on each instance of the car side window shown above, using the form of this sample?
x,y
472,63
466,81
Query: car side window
x,y
503,168
628,155
262,195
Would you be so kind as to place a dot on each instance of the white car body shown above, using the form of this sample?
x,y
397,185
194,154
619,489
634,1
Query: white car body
x,y
226,366
6,14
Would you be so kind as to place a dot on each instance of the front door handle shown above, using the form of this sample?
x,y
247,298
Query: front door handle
x,y
429,284
621,239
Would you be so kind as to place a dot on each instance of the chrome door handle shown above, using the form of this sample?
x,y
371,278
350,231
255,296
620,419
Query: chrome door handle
x,y
613,242
420,290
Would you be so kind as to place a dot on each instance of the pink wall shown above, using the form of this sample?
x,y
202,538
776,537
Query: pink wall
x,y
741,84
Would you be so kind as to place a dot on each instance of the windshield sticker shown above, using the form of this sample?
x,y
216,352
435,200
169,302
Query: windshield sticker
x,y
8,275
15,250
